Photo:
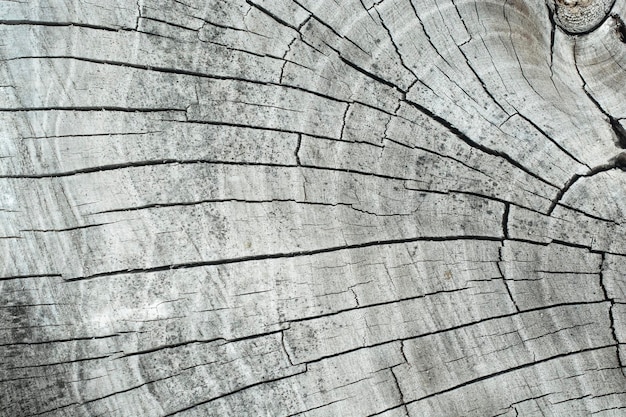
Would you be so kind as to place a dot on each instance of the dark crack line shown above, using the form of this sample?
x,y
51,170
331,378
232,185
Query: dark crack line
x,y
68,229
64,362
92,108
591,216
159,162
509,370
271,15
198,74
440,155
234,200
519,62
82,403
393,43
395,407
171,346
220,340
482,83
297,150
165,22
471,67
229,200
138,164
452,328
30,276
547,136
505,281
245,126
611,317
619,131
367,73
44,342
303,412
62,24
282,255
552,39
379,304
505,222
462,136
267,381
505,232
176,71
561,193
399,388
428,38
329,27
499,200
92,135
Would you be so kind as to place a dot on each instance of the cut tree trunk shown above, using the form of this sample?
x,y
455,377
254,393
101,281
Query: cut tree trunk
x,y
312,207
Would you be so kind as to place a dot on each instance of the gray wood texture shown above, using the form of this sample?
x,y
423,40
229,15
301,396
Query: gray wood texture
x,y
392,208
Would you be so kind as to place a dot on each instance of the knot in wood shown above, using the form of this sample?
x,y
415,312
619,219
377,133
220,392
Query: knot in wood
x,y
580,16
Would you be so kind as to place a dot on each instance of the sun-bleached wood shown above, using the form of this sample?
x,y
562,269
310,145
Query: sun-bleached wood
x,y
392,208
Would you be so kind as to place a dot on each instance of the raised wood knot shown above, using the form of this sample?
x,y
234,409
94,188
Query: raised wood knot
x,y
580,16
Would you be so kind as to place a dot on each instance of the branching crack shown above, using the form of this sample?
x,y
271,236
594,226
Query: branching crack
x,y
393,43
462,136
559,196
619,131
399,388
611,316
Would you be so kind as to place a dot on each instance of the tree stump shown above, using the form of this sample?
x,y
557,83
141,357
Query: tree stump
x,y
313,207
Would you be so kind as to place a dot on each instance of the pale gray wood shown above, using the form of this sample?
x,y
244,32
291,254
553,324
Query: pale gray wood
x,y
312,208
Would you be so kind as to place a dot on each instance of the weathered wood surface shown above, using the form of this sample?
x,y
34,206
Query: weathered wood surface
x,y
316,208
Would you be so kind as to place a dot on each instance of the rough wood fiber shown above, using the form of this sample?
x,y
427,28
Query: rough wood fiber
x,y
312,207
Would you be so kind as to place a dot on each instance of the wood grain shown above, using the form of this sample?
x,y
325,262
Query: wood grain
x,y
312,208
